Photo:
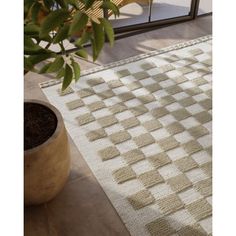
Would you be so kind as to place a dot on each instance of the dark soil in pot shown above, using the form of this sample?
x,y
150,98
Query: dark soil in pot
x,y
39,124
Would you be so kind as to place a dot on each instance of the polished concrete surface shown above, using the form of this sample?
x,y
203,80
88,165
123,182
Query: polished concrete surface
x,y
82,207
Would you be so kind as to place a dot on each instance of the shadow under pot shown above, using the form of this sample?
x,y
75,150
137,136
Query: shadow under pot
x,y
46,152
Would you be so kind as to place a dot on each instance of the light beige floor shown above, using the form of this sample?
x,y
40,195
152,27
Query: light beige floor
x,y
82,207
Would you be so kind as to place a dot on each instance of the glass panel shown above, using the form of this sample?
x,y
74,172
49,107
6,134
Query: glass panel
x,y
205,6
132,12
165,9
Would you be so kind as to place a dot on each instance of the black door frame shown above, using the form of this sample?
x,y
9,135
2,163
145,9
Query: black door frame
x,y
149,25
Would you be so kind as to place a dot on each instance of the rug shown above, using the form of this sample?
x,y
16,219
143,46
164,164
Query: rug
x,y
143,125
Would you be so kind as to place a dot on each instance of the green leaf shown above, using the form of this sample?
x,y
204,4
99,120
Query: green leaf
x,y
111,6
35,11
49,3
62,3
79,22
28,64
54,19
94,49
84,39
44,68
61,34
31,29
82,53
67,78
109,30
35,59
61,73
88,3
74,3
76,69
56,65
99,38
30,48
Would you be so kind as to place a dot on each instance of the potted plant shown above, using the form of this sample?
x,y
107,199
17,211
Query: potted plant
x,y
47,25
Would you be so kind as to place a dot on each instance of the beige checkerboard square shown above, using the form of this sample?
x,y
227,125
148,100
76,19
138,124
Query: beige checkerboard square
x,y
168,143
192,230
207,104
179,79
204,187
181,114
120,137
96,105
192,147
147,66
166,68
204,71
119,107
96,134
141,75
174,89
114,84
160,77
152,125
133,156
106,94
150,178
159,160
126,96
186,164
198,131
67,91
108,153
196,51
107,121
170,204
141,199
74,104
175,128
153,87
185,69
146,98
208,62
144,140
185,102
209,150
179,183
166,100
200,81
124,174
207,168
209,93
122,73
85,119
159,112
203,117
160,227
130,122
200,209
193,91
138,110
134,85
85,92
95,81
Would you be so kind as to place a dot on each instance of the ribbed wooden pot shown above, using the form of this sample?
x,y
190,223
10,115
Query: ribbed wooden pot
x,y
47,166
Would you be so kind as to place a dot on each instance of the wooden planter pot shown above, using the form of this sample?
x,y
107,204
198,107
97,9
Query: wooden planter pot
x,y
46,166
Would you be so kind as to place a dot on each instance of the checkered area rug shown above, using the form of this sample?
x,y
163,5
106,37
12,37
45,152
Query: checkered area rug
x,y
143,125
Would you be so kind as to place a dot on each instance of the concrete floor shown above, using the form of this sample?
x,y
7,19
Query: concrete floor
x,y
82,207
